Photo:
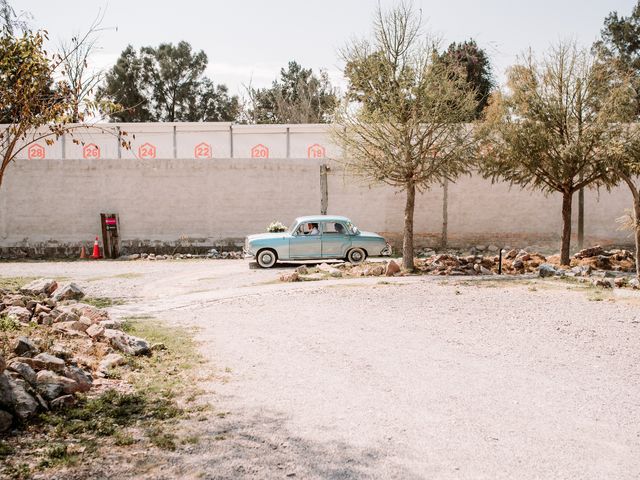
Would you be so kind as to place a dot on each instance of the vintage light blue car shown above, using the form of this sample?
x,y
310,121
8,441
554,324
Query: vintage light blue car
x,y
314,238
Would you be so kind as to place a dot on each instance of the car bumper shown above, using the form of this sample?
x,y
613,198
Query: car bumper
x,y
386,251
247,254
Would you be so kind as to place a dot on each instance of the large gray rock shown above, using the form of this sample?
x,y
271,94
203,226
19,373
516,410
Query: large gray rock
x,y
6,419
24,405
20,314
7,398
62,402
3,364
81,377
25,371
110,361
51,385
24,346
546,270
68,291
46,361
42,285
126,343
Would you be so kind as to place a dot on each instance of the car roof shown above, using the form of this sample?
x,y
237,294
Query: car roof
x,y
321,218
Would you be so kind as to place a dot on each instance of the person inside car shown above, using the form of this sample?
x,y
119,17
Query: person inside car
x,y
313,227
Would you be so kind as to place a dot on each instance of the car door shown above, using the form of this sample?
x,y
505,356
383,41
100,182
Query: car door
x,y
335,240
304,245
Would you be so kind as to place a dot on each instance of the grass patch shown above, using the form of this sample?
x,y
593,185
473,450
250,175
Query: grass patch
x,y
102,302
141,419
14,283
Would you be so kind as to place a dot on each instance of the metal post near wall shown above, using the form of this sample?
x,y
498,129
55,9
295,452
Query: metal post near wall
x,y
231,141
175,143
119,143
324,189
288,144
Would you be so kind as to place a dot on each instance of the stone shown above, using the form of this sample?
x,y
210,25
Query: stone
x,y
3,364
62,402
127,343
60,352
155,347
41,308
95,331
112,324
20,314
290,277
110,361
73,329
68,291
485,271
51,385
86,321
67,316
94,313
14,301
49,362
7,399
42,285
634,283
621,282
493,248
392,268
24,370
602,282
81,377
589,252
546,270
24,405
6,420
24,346
302,270
374,271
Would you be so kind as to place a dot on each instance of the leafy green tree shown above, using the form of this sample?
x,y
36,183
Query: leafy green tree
x,y
298,96
475,67
35,102
557,126
403,120
619,50
166,84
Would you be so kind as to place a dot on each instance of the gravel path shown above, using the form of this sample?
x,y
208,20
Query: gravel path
x,y
409,378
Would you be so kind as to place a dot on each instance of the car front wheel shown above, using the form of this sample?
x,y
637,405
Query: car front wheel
x,y
266,258
356,256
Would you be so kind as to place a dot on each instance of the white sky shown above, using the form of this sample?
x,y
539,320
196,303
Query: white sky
x,y
252,39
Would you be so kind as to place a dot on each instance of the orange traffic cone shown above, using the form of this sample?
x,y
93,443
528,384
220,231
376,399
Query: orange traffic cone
x,y
96,250
83,253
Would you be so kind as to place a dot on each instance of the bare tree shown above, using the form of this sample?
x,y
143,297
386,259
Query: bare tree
x,y
403,120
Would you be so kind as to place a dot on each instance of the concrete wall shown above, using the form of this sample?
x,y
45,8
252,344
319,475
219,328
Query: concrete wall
x,y
53,204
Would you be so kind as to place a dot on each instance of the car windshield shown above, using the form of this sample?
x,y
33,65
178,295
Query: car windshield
x,y
353,230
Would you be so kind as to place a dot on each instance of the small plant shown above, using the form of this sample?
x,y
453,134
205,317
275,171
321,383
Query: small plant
x,y
8,324
276,227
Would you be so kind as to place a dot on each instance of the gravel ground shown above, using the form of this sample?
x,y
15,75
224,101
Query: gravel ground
x,y
404,378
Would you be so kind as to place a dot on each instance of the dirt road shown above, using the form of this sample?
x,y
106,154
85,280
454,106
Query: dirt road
x,y
405,378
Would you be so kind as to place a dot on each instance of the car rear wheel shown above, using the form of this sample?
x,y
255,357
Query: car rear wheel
x,y
266,258
356,256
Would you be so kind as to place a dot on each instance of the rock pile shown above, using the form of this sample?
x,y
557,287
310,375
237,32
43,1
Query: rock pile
x,y
595,263
69,345
212,254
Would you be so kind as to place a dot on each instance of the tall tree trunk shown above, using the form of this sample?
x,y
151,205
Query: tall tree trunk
x,y
565,251
445,213
581,218
636,218
636,231
407,240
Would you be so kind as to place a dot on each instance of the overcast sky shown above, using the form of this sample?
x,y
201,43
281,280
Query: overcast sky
x,y
251,39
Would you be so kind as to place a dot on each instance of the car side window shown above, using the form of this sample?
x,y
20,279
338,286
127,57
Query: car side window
x,y
333,228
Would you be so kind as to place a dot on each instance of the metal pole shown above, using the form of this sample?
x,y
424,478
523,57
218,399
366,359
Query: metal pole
x,y
500,261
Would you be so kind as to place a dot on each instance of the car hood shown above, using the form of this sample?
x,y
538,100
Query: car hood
x,y
370,235
267,236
